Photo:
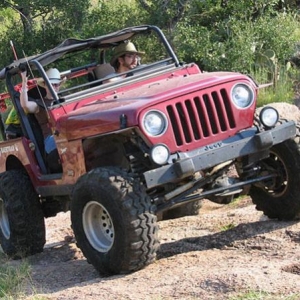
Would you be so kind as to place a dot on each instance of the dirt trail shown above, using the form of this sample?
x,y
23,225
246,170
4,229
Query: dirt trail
x,y
197,259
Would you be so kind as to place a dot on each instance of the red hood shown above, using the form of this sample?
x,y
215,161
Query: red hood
x,y
103,115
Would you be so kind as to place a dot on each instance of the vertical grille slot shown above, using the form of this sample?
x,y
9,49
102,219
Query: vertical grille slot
x,y
194,119
175,125
220,110
203,117
228,109
184,121
211,113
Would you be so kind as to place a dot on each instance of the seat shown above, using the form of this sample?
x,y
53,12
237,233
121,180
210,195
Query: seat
x,y
52,159
103,72
13,131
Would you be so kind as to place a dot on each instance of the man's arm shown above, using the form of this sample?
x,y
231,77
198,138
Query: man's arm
x,y
28,106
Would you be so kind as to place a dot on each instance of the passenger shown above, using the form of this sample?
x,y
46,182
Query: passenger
x,y
125,57
38,106
13,126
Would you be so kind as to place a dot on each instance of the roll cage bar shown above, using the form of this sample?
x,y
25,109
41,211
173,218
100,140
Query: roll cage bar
x,y
73,45
37,62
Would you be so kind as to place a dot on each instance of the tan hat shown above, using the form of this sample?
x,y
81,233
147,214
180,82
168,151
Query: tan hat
x,y
53,75
123,48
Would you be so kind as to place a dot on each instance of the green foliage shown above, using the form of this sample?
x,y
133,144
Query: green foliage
x,y
281,91
234,43
11,278
279,33
228,227
218,35
165,14
36,26
262,295
109,16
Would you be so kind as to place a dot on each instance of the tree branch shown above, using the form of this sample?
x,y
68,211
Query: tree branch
x,y
145,5
180,11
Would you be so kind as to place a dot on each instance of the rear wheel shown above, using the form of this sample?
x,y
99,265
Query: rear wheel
x,y
22,226
114,221
279,197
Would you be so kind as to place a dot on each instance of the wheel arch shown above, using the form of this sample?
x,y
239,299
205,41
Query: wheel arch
x,y
13,163
106,150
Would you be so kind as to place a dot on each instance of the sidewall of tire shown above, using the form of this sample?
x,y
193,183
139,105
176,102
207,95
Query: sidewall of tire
x,y
132,217
287,205
115,255
25,216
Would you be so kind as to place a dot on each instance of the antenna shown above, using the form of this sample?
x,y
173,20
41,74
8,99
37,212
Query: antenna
x,y
13,50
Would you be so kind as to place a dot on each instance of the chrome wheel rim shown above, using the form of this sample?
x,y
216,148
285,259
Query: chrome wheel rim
x,y
98,226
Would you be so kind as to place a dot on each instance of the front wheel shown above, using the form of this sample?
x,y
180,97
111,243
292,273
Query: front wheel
x,y
114,221
22,226
279,197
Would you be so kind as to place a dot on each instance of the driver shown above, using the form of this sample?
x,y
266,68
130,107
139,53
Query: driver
x,y
125,57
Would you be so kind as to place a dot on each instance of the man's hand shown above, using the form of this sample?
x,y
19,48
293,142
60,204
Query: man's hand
x,y
23,67
24,77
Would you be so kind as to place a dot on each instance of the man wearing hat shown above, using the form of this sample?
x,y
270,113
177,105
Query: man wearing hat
x,y
38,106
125,57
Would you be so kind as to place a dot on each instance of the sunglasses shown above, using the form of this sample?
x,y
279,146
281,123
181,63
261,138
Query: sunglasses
x,y
55,85
132,55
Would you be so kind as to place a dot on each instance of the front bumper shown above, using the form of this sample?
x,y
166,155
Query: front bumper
x,y
244,143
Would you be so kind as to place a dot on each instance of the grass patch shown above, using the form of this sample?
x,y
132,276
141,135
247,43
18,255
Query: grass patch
x,y
238,201
228,227
273,95
12,278
15,279
282,90
261,295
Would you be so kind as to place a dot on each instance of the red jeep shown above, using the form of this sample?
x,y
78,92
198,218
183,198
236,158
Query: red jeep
x,y
132,151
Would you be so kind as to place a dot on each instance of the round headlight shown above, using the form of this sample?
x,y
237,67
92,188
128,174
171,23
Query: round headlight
x,y
160,154
242,95
155,123
269,116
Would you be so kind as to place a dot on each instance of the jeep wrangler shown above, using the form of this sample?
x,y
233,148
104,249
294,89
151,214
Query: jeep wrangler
x,y
137,147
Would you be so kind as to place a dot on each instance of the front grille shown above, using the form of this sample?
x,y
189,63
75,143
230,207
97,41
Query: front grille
x,y
201,116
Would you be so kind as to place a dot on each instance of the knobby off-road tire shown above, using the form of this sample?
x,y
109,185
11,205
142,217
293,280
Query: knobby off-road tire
x,y
22,225
114,222
280,197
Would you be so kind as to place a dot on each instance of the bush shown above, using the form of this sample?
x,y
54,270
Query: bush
x,y
234,44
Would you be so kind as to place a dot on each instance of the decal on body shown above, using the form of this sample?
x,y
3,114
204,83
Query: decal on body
x,y
7,149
